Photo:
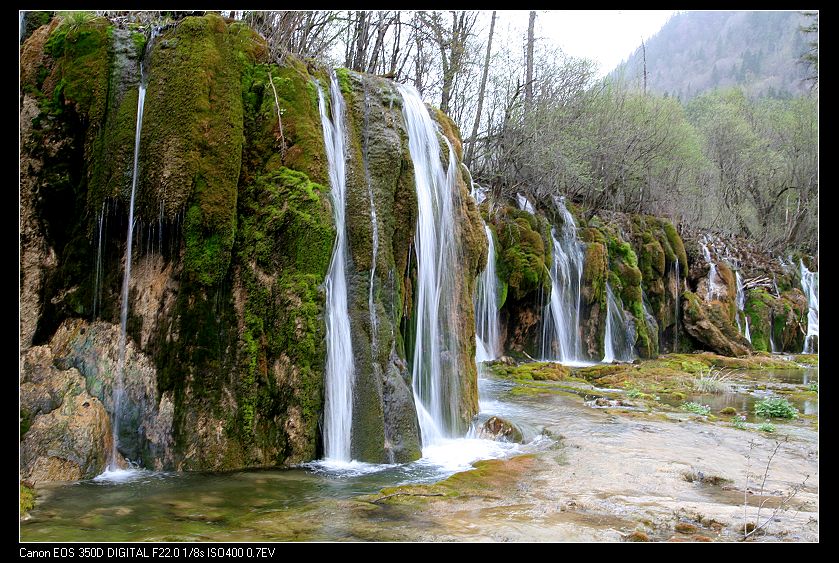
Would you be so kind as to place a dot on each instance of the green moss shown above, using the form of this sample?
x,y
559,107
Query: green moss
x,y
595,268
192,140
623,250
758,308
521,253
533,371
27,499
676,243
81,73
343,75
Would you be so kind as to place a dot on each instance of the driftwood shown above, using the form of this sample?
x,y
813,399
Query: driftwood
x,y
752,283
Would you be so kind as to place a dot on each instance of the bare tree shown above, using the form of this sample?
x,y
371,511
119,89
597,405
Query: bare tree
x,y
528,82
470,151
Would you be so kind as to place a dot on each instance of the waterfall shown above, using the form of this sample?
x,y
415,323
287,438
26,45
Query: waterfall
x,y
712,273
436,341
524,204
119,383
97,282
374,337
339,380
741,300
747,333
561,317
772,346
810,285
487,327
618,340
479,193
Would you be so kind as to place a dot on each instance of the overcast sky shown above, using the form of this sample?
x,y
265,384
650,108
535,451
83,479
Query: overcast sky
x,y
605,36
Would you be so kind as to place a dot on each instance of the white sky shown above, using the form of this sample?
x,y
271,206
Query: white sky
x,y
606,36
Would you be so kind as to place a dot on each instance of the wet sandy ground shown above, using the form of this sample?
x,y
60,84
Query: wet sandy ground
x,y
617,473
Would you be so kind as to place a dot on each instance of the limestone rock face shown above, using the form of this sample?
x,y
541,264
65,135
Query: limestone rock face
x,y
66,432
711,326
146,418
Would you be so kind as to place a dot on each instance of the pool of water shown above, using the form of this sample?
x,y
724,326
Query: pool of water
x,y
270,505
751,386
319,501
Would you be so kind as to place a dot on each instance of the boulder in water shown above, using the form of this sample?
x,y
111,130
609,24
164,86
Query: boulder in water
x,y
500,430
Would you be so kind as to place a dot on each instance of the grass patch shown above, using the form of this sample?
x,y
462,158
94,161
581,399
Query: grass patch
x,y
713,381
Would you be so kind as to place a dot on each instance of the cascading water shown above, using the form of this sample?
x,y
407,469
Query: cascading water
x,y
561,318
741,306
617,343
436,335
340,373
524,204
810,285
712,273
487,327
97,283
375,225
119,383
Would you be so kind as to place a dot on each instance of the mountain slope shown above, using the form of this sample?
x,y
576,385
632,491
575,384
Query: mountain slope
x,y
699,51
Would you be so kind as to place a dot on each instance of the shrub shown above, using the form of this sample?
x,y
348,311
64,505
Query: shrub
x,y
777,408
696,408
766,427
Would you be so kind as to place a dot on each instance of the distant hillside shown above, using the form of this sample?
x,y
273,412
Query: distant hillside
x,y
699,51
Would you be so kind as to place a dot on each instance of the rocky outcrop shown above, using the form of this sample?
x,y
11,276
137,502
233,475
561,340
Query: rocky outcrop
x,y
711,326
775,307
146,416
65,432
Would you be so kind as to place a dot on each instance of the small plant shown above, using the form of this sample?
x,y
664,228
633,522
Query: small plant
x,y
766,427
696,408
777,408
633,393
75,19
713,381
739,422
814,386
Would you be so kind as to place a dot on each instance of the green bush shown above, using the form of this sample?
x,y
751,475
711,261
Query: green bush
x,y
777,408
696,408
766,427
738,422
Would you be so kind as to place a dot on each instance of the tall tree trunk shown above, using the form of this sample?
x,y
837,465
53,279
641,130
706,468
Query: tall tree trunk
x,y
470,151
528,85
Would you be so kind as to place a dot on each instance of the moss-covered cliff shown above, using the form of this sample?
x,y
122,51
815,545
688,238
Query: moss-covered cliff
x,y
233,238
